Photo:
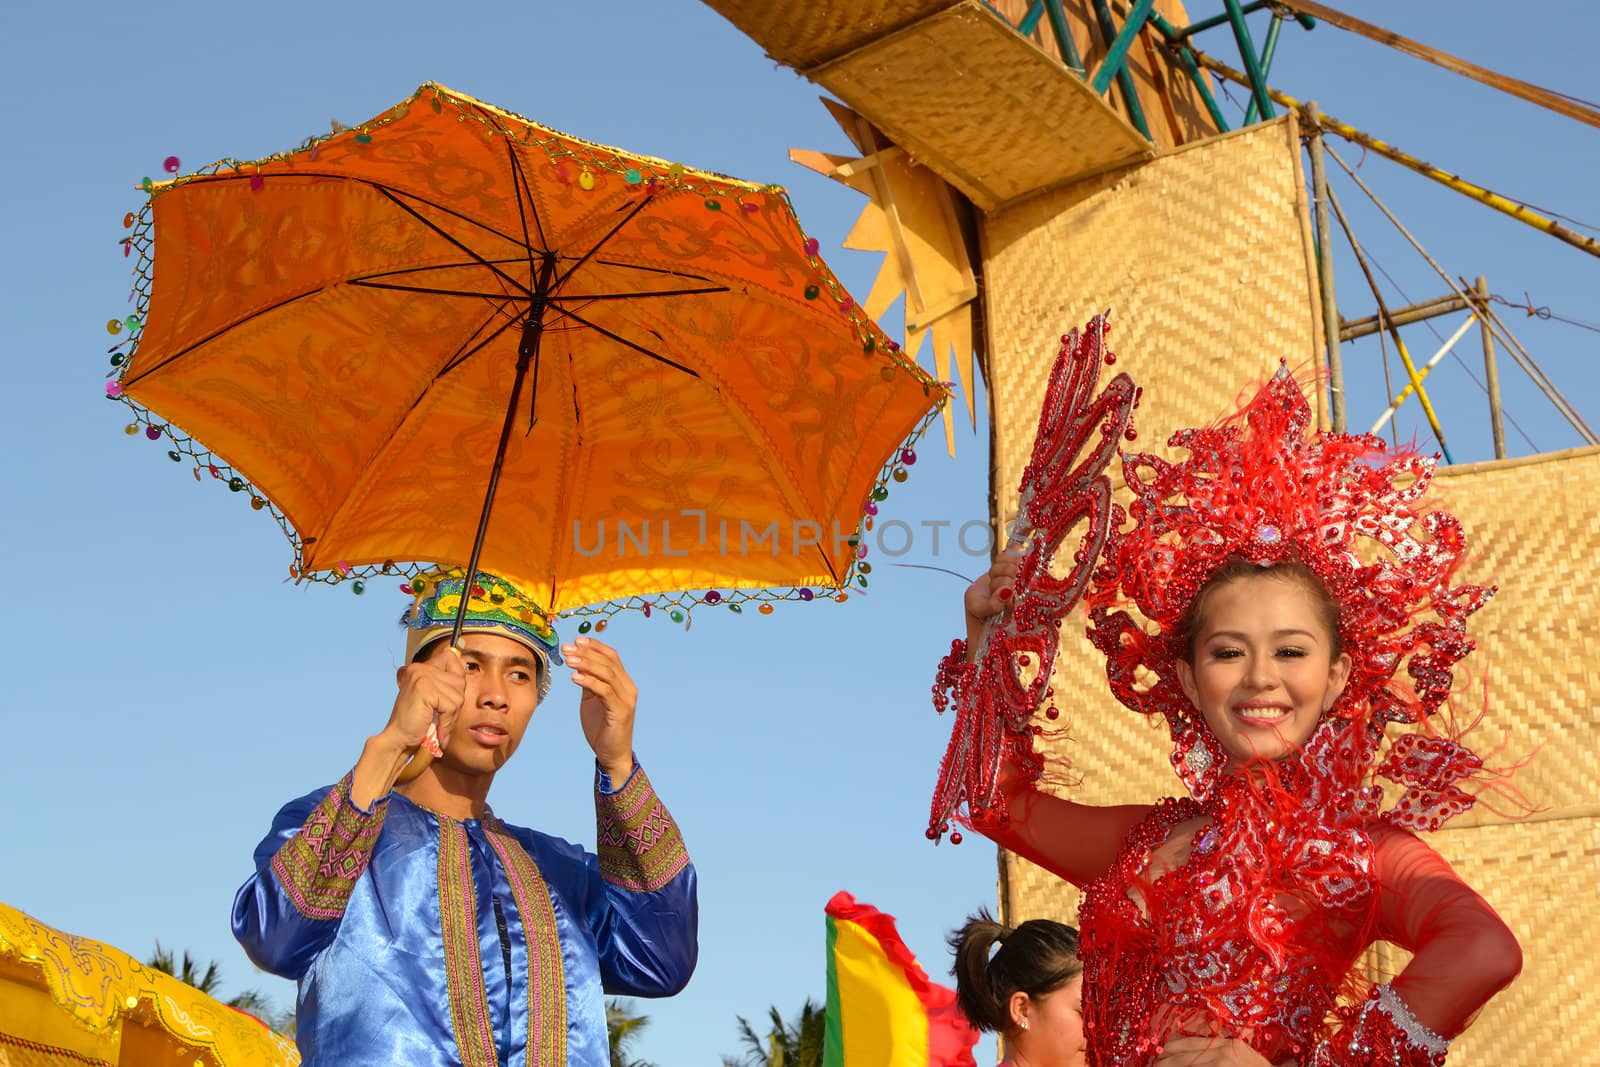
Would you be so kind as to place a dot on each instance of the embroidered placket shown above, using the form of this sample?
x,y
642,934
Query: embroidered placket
x,y
463,967
547,993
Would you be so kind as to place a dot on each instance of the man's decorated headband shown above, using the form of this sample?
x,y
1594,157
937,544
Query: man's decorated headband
x,y
493,605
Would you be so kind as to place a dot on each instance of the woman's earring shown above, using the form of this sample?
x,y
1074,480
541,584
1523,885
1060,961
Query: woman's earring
x,y
1024,1024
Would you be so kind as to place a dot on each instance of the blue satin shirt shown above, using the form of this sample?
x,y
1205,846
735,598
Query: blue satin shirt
x,y
424,940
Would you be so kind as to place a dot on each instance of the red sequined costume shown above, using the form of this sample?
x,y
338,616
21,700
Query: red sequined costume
x,y
1239,911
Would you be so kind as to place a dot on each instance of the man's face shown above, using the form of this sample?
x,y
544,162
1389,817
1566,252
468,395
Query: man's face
x,y
502,692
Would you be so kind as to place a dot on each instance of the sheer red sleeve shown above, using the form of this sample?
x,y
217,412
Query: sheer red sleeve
x,y
1077,842
1463,954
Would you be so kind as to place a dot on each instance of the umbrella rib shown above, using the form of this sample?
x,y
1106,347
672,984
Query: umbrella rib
x,y
388,439
437,266
624,341
368,284
144,372
392,194
519,181
651,270
644,293
640,206
414,213
462,355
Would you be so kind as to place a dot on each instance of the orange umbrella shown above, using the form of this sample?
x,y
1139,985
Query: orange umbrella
x,y
365,335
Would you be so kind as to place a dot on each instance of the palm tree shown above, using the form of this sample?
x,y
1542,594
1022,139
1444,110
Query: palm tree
x,y
623,1028
793,1044
188,971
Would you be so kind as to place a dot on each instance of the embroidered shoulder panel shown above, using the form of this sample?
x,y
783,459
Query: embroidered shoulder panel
x,y
319,867
639,844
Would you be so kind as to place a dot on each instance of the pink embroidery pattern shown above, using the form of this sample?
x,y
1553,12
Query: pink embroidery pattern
x,y
640,847
319,867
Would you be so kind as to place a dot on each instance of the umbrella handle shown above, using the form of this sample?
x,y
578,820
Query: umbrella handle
x,y
425,754
413,770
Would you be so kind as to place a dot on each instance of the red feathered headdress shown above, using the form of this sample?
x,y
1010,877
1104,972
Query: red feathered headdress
x,y
1259,486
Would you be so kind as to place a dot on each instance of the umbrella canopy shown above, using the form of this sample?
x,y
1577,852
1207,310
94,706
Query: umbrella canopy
x,y
674,390
71,1001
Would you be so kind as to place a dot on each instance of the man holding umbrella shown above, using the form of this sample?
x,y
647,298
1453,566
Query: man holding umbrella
x,y
421,928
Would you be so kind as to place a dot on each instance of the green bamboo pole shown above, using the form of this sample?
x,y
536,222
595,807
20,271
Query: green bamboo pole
x,y
1247,50
1117,54
1130,97
1268,50
1185,55
1058,25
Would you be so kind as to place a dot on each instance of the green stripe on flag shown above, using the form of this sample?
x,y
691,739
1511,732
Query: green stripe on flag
x,y
833,1026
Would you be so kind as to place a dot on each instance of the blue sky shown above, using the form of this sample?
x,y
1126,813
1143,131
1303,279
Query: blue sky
x,y
167,692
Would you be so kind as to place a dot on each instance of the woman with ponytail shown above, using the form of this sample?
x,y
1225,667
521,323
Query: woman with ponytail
x,y
1024,983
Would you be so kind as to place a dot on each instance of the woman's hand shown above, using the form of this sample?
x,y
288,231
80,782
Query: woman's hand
x,y
989,596
991,593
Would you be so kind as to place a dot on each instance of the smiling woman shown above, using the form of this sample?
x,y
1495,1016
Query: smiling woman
x,y
1264,662
1224,927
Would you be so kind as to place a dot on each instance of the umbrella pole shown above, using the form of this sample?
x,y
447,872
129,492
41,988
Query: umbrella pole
x,y
527,355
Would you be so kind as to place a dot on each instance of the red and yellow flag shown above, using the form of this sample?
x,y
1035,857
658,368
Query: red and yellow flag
x,y
882,1009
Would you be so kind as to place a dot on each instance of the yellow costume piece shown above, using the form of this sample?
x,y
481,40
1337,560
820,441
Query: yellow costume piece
x,y
67,1000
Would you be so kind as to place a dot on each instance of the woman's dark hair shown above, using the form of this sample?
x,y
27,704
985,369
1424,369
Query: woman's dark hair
x,y
1289,570
1037,957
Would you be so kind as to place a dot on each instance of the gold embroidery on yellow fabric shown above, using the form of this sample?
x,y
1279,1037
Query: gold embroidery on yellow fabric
x,y
463,968
99,990
547,991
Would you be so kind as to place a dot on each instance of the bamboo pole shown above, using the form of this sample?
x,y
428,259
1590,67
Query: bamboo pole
x,y
1491,373
1561,103
1520,354
1330,306
1130,95
1174,42
1268,50
1393,330
1428,170
1113,63
1247,50
1350,330
1427,369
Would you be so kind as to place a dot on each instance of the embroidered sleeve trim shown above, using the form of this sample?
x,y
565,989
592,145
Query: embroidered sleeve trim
x,y
1416,1031
463,967
1381,1030
318,867
640,847
547,990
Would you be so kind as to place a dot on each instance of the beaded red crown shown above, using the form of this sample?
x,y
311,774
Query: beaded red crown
x,y
1258,486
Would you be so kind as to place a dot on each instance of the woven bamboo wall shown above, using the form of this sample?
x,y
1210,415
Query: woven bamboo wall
x,y
1203,256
